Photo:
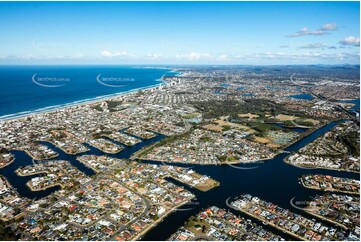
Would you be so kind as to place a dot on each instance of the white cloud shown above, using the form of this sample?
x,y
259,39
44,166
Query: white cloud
x,y
316,46
313,46
154,56
351,40
304,31
109,54
314,53
194,56
305,57
325,29
223,57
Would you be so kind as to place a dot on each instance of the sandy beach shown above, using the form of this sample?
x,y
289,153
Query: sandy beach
x,y
90,101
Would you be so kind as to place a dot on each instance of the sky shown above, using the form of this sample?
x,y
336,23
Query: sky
x,y
245,33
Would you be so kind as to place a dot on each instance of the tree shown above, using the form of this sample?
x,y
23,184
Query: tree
x,y
6,233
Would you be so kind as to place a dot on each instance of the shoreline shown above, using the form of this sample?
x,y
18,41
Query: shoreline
x,y
43,188
155,223
84,162
65,151
268,223
216,184
50,109
206,164
45,110
285,160
320,167
327,189
45,172
123,143
9,163
281,150
104,151
326,219
36,158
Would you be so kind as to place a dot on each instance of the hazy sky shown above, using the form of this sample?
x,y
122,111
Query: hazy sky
x,y
179,33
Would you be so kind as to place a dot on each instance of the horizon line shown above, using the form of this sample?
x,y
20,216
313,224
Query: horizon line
x,y
95,64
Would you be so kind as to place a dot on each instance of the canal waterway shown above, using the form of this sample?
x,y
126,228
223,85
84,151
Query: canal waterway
x,y
271,180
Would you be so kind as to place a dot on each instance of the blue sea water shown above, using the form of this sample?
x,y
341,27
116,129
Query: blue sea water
x,y
35,88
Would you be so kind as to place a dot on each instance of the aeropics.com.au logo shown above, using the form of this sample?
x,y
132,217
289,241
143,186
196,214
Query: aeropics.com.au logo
x,y
189,206
301,205
111,81
244,165
49,81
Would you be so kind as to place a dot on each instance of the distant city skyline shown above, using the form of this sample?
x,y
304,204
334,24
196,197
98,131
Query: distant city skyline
x,y
183,33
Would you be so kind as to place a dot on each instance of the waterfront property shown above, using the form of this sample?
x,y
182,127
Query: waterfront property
x,y
331,183
341,210
337,149
219,225
294,224
6,159
122,202
208,148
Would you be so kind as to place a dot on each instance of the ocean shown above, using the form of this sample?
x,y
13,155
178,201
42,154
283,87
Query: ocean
x,y
30,89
